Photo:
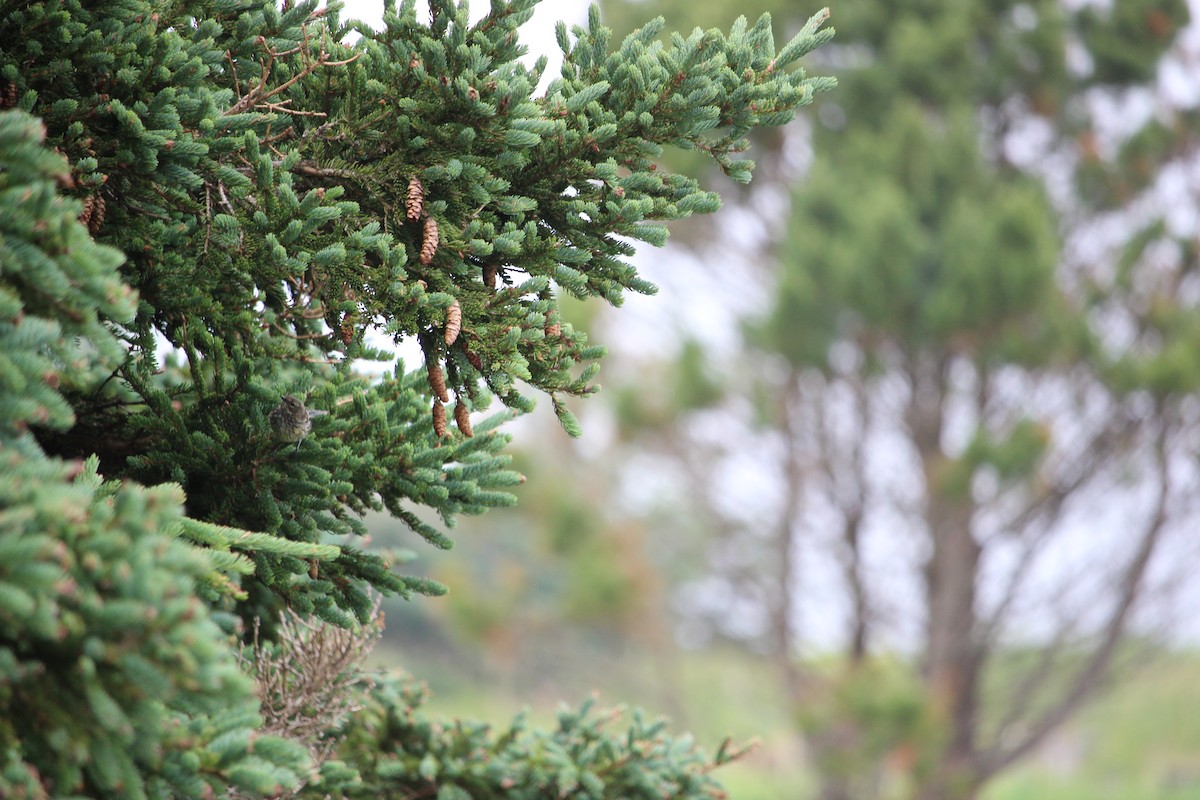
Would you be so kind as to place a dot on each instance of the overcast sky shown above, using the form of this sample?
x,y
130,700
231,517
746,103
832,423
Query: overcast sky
x,y
538,33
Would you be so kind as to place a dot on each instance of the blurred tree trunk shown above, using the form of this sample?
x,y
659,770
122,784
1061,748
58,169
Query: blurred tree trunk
x,y
951,666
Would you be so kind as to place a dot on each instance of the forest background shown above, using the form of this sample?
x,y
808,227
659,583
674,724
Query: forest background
x,y
611,576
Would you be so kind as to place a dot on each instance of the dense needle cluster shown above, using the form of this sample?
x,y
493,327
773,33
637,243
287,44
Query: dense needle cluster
x,y
258,189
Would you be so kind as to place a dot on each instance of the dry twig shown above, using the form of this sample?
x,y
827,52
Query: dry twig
x,y
306,680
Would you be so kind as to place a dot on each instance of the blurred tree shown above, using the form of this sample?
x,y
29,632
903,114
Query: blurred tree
x,y
555,594
206,207
971,392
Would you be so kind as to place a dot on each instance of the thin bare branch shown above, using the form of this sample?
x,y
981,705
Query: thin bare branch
x,y
782,618
306,679
1089,678
848,488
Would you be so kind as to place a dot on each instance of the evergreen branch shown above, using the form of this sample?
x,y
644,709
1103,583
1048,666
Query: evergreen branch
x,y
267,252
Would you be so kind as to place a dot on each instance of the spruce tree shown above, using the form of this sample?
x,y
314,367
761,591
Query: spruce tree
x,y
117,678
209,206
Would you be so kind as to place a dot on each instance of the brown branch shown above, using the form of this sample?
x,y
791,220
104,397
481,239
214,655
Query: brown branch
x,y
847,491
286,133
237,84
1029,687
247,100
282,108
1053,496
207,216
257,96
990,625
307,168
782,619
306,687
225,199
308,70
1046,510
1088,679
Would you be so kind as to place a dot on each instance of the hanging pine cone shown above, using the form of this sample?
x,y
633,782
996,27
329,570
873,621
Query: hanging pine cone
x,y
97,216
475,360
430,245
415,201
437,382
89,207
553,330
453,322
489,276
462,418
347,329
439,418
10,95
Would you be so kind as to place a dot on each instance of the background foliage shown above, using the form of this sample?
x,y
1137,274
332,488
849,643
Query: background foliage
x,y
205,206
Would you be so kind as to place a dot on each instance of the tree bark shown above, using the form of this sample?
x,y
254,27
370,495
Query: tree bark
x,y
951,668
782,618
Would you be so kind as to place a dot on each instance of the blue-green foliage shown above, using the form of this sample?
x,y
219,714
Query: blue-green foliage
x,y
401,752
255,169
115,678
207,205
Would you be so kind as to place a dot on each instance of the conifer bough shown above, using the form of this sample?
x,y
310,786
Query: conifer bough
x,y
245,183
261,174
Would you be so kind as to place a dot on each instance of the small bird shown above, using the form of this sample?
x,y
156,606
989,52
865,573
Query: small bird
x,y
291,421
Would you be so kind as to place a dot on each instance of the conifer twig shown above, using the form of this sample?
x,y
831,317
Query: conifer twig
x,y
306,680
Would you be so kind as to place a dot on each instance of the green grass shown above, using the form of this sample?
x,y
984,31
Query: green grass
x,y
1141,741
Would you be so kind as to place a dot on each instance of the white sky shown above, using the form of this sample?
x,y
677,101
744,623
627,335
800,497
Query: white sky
x,y
537,34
